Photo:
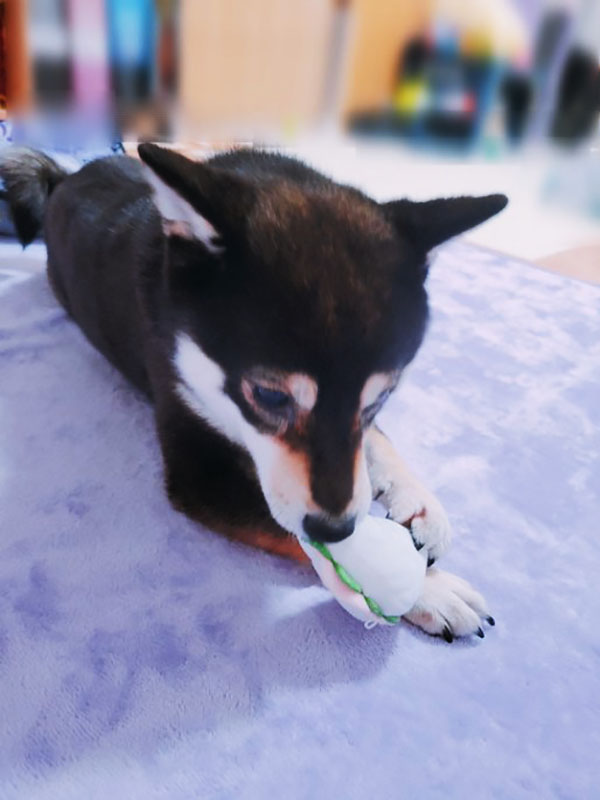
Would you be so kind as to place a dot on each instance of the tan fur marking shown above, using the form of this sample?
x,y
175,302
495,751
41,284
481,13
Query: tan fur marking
x,y
303,389
374,387
284,546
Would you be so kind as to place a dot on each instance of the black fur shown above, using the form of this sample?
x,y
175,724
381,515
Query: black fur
x,y
314,277
29,178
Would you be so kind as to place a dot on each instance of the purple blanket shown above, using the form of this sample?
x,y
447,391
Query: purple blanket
x,y
143,657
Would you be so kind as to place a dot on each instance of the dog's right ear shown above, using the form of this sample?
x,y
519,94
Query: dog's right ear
x,y
196,201
430,223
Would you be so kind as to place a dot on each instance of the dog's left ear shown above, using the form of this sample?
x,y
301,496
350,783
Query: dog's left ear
x,y
430,223
196,201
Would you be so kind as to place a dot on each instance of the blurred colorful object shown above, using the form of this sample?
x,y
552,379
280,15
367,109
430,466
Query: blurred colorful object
x,y
89,57
444,88
478,75
489,29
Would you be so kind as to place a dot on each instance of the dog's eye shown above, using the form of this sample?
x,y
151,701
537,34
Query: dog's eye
x,y
272,400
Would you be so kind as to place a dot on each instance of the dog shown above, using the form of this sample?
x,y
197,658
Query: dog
x,y
268,313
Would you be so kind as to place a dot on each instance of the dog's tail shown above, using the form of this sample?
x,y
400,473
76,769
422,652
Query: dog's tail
x,y
29,179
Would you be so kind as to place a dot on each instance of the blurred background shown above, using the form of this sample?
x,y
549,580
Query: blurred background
x,y
402,97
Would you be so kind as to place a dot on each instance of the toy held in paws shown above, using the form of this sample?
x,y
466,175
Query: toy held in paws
x,y
376,574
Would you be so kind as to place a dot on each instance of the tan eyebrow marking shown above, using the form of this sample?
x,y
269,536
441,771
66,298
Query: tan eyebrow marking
x,y
375,385
304,390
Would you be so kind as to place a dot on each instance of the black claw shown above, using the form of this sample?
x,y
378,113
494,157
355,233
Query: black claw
x,y
491,621
430,561
378,495
418,545
480,633
447,634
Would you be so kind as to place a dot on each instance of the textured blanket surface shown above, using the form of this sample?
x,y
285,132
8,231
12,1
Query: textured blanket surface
x,y
143,657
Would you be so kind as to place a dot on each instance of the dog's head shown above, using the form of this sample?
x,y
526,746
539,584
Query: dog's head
x,y
296,304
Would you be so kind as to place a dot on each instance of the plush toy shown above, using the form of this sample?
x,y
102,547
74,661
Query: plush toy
x,y
376,574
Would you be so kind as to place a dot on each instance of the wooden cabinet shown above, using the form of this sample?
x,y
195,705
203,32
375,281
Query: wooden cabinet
x,y
253,65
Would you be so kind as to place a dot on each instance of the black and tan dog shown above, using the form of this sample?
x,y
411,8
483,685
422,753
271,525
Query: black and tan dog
x,y
268,312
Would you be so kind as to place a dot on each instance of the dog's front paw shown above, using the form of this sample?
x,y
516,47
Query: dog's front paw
x,y
417,509
449,607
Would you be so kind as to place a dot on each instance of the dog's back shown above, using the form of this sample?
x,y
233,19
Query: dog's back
x,y
100,228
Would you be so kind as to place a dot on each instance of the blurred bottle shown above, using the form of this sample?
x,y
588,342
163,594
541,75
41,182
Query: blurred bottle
x,y
89,56
578,96
553,40
411,95
50,53
517,95
132,44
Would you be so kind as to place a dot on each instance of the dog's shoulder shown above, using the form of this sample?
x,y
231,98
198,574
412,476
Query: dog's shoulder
x,y
120,173
106,194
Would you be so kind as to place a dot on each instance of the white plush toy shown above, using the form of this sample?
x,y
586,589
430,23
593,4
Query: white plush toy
x,y
376,574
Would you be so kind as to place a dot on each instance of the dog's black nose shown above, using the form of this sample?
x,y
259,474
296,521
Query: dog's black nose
x,y
327,530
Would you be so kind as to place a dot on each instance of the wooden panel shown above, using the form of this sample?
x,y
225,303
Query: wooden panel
x,y
253,61
18,66
2,60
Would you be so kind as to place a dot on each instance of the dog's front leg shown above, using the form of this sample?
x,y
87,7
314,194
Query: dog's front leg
x,y
405,498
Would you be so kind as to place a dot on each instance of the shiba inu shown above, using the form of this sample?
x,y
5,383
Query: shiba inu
x,y
268,313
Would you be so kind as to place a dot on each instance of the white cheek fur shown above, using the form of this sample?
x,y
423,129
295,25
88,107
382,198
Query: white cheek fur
x,y
200,387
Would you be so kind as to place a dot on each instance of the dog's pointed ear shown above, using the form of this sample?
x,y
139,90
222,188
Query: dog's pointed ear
x,y
196,201
430,223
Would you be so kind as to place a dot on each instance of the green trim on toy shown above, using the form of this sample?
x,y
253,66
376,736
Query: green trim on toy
x,y
349,581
